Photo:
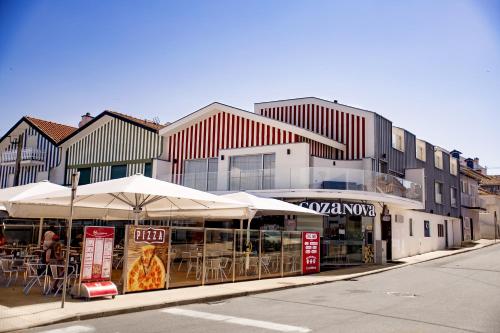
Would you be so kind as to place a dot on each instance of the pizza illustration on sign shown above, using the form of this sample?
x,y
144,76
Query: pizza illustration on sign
x,y
147,272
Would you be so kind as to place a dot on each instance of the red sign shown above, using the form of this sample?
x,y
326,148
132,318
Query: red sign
x,y
97,254
99,289
310,252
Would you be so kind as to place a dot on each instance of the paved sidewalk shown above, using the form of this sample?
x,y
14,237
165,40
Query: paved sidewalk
x,y
16,315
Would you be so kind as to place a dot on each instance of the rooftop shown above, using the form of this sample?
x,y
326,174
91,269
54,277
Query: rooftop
x,y
144,122
54,131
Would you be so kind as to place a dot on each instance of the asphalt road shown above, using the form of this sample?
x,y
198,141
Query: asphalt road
x,y
455,294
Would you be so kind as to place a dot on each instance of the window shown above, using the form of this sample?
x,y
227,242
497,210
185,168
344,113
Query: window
x,y
453,166
398,138
438,190
420,145
438,159
453,196
440,230
427,229
148,170
463,186
411,227
252,172
201,174
118,171
84,176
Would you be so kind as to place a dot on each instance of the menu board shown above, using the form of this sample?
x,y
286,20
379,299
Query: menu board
x,y
310,252
146,258
97,254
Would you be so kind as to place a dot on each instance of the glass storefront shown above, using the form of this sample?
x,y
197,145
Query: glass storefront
x,y
347,237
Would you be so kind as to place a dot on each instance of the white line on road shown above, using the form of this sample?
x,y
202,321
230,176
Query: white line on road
x,y
236,320
71,329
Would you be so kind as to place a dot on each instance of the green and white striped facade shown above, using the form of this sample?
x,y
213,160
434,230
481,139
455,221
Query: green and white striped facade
x,y
107,140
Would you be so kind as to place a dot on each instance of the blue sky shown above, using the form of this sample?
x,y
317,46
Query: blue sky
x,y
432,67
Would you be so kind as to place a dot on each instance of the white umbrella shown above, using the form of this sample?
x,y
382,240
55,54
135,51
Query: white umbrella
x,y
9,196
266,206
269,206
139,196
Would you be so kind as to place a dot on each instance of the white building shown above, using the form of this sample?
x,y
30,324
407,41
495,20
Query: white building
x,y
375,181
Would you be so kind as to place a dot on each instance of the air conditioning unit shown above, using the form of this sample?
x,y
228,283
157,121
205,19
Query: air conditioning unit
x,y
399,218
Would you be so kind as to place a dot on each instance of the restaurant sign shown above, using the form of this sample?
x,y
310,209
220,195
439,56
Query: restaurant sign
x,y
310,252
340,208
146,258
97,254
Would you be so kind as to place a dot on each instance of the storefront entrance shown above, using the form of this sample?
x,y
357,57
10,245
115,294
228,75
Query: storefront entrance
x,y
347,232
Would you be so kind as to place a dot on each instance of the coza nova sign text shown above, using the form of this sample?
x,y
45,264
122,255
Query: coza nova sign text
x,y
340,208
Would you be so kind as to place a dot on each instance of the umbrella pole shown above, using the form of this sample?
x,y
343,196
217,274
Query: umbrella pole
x,y
40,232
241,234
247,261
74,184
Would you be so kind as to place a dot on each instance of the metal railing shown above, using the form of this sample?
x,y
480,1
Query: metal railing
x,y
326,178
27,154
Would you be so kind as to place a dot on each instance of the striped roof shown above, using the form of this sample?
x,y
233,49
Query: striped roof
x,y
144,122
56,132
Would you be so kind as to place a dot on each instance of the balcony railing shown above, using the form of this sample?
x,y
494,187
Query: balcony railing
x,y
320,178
471,201
27,154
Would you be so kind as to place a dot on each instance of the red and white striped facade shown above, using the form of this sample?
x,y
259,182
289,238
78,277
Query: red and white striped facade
x,y
345,125
205,132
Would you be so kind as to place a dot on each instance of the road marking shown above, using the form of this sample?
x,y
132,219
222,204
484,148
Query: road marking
x,y
236,320
71,329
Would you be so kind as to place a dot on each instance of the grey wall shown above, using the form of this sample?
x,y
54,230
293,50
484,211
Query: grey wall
x,y
433,174
399,161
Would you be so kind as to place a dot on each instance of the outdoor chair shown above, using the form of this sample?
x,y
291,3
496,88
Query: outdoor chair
x,y
56,279
35,273
194,261
265,263
185,257
9,269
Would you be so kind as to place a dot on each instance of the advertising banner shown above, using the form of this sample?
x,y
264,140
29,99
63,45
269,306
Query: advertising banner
x,y
310,252
97,254
146,258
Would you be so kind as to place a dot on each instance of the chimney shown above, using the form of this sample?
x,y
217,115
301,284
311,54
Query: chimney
x,y
476,163
335,101
85,119
469,162
455,153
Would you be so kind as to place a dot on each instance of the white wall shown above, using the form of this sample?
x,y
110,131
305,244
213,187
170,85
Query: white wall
x,y
162,169
404,245
291,168
487,225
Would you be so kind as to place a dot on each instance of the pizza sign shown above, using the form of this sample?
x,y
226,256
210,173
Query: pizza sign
x,y
149,235
146,258
310,252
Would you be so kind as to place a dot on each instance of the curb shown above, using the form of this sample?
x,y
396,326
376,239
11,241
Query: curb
x,y
87,316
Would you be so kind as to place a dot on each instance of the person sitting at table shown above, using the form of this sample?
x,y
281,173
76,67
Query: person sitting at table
x,y
55,256
48,238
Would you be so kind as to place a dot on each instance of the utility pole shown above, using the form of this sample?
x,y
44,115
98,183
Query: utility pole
x,y
17,171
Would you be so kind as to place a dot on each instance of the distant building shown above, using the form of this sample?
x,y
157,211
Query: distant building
x,y
471,202
39,150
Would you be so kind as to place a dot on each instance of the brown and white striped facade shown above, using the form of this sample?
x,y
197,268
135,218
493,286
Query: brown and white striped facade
x,y
204,133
